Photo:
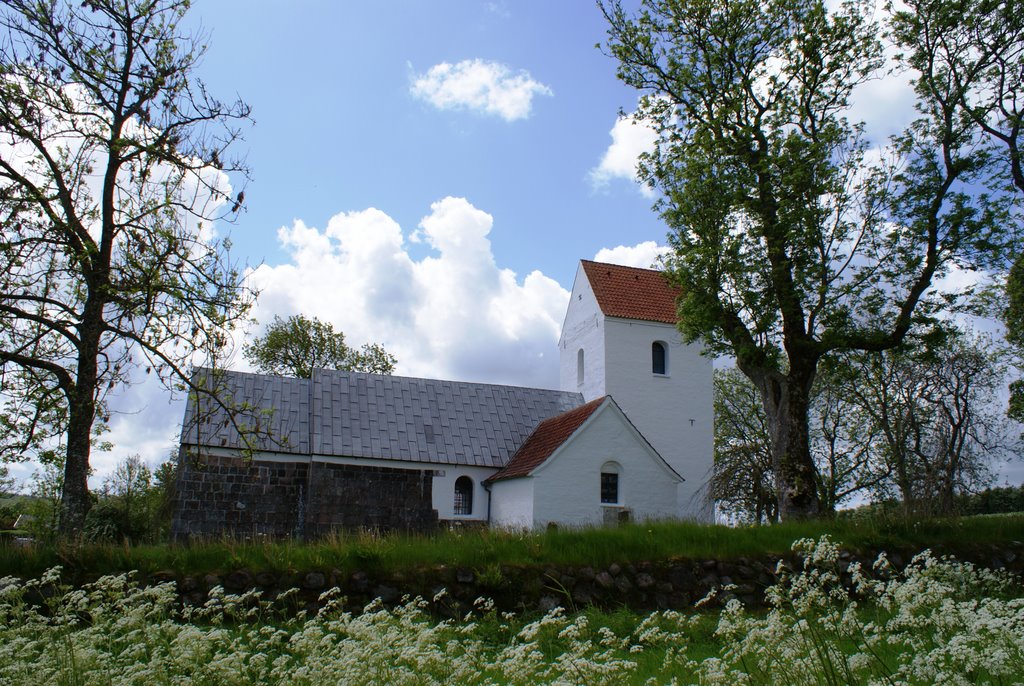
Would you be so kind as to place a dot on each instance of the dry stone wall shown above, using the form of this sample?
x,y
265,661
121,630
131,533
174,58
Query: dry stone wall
x,y
232,496
655,585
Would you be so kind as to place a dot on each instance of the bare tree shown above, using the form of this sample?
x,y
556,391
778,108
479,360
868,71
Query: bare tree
x,y
742,482
114,169
937,419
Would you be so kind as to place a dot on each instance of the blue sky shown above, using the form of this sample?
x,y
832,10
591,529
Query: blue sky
x,y
338,127
426,175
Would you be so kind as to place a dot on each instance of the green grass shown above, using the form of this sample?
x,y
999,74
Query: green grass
x,y
483,549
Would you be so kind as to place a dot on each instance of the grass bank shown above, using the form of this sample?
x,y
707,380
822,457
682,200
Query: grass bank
x,y
936,621
478,549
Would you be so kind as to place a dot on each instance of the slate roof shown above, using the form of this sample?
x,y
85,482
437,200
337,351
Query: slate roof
x,y
352,414
632,293
548,437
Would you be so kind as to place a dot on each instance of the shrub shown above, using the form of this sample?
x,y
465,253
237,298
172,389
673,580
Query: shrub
x,y
8,515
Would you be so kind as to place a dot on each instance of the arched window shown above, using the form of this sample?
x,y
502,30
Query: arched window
x,y
579,367
610,473
659,358
463,496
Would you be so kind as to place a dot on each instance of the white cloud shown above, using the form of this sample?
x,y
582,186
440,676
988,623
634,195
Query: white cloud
x,y
644,254
486,87
452,315
630,138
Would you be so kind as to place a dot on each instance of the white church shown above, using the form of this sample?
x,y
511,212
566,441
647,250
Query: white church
x,y
627,437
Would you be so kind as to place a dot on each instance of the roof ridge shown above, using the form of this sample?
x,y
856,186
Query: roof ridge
x,y
383,376
623,266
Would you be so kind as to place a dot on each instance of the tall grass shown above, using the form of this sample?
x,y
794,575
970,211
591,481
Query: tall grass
x,y
480,549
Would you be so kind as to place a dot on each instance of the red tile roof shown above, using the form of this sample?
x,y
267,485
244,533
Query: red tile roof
x,y
549,435
632,293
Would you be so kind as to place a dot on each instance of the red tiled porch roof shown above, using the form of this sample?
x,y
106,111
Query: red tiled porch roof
x,y
549,435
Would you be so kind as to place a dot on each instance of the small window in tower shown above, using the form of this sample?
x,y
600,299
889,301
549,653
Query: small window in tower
x,y
610,483
463,496
579,367
659,358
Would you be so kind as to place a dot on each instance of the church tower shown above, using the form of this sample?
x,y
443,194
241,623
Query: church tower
x,y
619,339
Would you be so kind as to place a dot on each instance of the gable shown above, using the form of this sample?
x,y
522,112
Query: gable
x,y
631,292
352,414
556,433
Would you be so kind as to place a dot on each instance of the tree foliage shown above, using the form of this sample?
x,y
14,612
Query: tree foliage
x,y
973,53
114,169
6,481
790,243
298,345
1014,320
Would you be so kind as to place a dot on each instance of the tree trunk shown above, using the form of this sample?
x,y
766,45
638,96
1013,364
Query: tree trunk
x,y
75,501
787,400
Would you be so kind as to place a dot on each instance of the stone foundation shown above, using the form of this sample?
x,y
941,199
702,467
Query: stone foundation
x,y
349,497
231,496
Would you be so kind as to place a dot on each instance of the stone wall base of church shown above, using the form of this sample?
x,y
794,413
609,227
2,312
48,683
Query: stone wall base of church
x,y
221,496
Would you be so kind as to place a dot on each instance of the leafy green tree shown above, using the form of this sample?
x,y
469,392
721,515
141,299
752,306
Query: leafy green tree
x,y
789,243
6,481
973,52
161,497
134,503
298,345
1014,320
46,487
113,168
127,490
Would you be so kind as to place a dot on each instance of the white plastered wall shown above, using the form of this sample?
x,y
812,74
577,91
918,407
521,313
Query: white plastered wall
x,y
512,503
674,411
567,487
583,328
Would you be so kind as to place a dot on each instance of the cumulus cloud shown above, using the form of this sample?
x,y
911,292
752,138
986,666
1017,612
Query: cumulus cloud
x,y
644,254
453,314
630,138
481,86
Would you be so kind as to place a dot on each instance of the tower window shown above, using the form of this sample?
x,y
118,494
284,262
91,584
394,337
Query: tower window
x,y
463,496
579,367
659,358
610,483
